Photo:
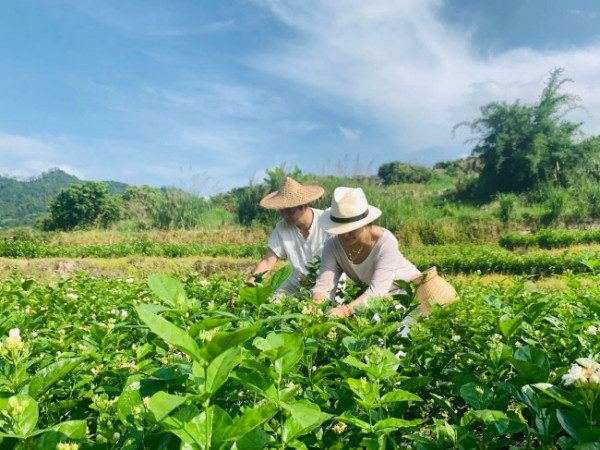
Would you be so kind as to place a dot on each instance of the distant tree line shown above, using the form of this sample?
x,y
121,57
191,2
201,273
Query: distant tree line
x,y
518,149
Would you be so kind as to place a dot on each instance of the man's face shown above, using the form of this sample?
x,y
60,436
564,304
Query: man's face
x,y
291,215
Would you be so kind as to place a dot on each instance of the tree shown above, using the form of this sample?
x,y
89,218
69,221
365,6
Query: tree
x,y
523,147
396,173
82,206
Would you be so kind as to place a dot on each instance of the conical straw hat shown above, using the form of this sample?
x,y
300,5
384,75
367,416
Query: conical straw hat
x,y
434,288
290,194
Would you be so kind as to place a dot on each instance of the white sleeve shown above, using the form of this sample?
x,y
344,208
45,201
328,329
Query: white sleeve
x,y
275,242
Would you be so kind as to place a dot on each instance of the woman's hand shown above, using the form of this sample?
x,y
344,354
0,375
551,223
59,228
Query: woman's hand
x,y
341,311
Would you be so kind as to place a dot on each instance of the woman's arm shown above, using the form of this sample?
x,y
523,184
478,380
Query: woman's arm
x,y
329,274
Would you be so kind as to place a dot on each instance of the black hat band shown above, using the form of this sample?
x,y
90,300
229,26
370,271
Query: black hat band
x,y
349,219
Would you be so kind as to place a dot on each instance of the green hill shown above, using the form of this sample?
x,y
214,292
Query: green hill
x,y
22,202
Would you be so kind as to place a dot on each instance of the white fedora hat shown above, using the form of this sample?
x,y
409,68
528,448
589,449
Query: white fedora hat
x,y
349,211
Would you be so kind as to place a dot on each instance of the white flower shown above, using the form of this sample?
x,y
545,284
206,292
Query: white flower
x,y
400,354
124,314
14,333
129,280
591,331
456,338
204,282
496,337
61,331
34,334
376,318
576,374
72,296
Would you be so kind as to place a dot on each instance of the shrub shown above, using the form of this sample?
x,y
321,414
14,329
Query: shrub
x,y
397,173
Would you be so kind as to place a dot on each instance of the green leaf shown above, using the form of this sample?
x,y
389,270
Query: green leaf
x,y
250,420
478,400
47,376
415,383
168,290
129,399
349,419
191,426
73,429
169,333
304,417
556,393
399,395
24,411
365,390
162,404
508,325
219,369
256,295
284,349
188,424
279,277
446,406
531,363
589,436
393,423
257,382
223,341
572,422
255,440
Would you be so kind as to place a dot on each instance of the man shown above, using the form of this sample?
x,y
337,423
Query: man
x,y
297,237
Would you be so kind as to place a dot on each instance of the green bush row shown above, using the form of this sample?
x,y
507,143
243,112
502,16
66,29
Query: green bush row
x,y
452,259
550,239
29,249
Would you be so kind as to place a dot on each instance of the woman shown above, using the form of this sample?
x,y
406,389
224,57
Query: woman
x,y
367,253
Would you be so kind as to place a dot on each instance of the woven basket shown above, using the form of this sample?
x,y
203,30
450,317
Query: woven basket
x,y
434,288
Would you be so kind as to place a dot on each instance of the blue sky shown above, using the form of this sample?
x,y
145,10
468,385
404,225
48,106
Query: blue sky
x,y
206,94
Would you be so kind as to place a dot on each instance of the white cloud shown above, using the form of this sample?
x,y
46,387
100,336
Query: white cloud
x,y
399,64
19,174
349,134
582,13
22,146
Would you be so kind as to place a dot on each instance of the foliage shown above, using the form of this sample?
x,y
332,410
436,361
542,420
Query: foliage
x,y
397,173
140,202
82,206
178,210
523,147
550,238
93,363
506,207
246,200
24,201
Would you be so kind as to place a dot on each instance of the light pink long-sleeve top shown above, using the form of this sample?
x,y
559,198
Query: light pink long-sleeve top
x,y
378,271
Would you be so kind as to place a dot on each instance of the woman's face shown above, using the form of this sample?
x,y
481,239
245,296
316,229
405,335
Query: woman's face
x,y
352,237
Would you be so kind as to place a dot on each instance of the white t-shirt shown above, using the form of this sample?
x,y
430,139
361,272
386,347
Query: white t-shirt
x,y
287,243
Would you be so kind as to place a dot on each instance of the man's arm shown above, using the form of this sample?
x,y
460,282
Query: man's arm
x,y
265,265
